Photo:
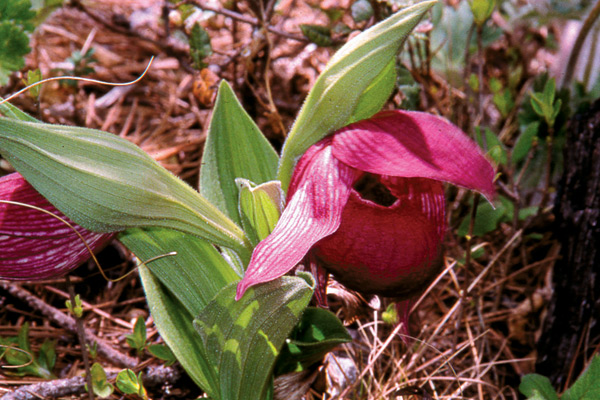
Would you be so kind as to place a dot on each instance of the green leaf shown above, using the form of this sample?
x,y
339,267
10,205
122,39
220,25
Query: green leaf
x,y
549,91
235,148
34,76
162,352
543,102
75,309
194,275
93,350
336,95
538,104
101,387
318,332
44,8
137,340
174,324
47,355
390,315
474,82
105,183
504,101
527,212
12,112
14,45
376,94
200,47
243,338
496,149
318,34
361,10
17,11
537,387
23,337
15,20
482,10
20,354
333,13
495,85
587,386
260,208
127,382
488,217
524,142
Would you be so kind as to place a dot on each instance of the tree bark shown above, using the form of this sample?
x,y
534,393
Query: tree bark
x,y
573,318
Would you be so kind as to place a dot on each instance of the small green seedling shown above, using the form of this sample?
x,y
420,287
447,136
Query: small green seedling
x,y
390,315
17,353
129,383
544,103
92,350
33,76
137,340
100,385
200,46
482,10
77,309
503,98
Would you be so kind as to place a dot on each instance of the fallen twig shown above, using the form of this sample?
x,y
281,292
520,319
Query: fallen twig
x,y
153,376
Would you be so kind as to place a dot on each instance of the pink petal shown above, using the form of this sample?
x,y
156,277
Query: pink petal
x,y
33,244
424,194
414,144
391,251
319,193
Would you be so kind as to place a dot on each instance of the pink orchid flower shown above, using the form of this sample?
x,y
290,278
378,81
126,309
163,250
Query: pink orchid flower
x,y
35,245
390,248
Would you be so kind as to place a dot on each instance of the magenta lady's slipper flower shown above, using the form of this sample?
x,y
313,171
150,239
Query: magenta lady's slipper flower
x,y
36,245
368,203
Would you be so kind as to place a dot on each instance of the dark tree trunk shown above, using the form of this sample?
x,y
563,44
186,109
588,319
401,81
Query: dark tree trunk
x,y
573,318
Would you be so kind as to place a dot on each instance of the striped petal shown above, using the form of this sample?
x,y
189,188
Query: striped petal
x,y
414,144
36,245
319,192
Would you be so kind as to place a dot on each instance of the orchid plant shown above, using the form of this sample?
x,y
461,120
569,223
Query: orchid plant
x,y
365,201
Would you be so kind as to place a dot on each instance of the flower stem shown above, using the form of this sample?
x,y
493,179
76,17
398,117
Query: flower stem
x,y
82,342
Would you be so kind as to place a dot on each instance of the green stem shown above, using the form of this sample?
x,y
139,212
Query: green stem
x,y
480,56
585,30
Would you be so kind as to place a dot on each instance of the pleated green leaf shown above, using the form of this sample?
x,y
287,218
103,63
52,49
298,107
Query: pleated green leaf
x,y
105,183
235,148
361,63
174,324
243,338
318,332
260,208
194,275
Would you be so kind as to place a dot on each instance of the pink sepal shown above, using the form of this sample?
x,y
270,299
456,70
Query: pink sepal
x,y
35,245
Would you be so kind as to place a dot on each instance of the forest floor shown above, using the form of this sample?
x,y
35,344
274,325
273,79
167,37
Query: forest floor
x,y
475,328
